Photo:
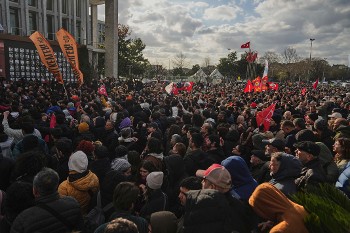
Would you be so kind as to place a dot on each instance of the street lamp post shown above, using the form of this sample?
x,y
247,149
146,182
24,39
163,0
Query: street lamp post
x,y
311,48
311,39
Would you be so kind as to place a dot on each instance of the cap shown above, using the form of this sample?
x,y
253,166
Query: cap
x,y
155,180
335,115
260,154
216,174
78,162
309,147
120,165
278,143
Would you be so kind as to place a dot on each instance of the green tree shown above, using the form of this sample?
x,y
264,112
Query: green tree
x,y
130,53
227,65
194,69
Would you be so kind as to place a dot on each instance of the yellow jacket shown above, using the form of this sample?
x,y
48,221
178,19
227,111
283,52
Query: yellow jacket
x,y
81,189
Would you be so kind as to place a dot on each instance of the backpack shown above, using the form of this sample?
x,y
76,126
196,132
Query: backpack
x,y
96,216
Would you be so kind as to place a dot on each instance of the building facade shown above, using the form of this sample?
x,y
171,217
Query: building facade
x,y
78,17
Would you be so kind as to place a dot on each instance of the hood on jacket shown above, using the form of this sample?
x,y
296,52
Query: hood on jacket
x,y
87,182
290,166
278,204
242,180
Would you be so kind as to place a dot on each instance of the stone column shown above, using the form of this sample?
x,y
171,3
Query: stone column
x,y
111,43
94,25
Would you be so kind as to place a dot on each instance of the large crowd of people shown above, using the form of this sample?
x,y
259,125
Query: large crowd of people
x,y
156,162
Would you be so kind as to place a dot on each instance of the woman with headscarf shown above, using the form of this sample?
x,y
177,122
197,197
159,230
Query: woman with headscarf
x,y
281,214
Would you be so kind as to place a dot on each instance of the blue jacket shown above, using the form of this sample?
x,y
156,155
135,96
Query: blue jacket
x,y
343,182
242,180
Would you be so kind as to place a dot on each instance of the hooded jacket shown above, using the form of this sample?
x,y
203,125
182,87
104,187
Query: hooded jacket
x,y
328,164
81,186
342,132
271,204
283,179
343,182
242,180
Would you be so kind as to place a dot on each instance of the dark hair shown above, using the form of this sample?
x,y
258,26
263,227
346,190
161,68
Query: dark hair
x,y
121,225
148,165
181,149
191,183
19,196
125,194
197,139
46,182
65,145
27,128
28,164
214,139
121,151
101,152
30,142
154,145
299,122
287,123
345,144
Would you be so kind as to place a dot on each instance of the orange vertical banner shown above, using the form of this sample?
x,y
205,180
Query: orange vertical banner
x,y
47,55
263,85
70,51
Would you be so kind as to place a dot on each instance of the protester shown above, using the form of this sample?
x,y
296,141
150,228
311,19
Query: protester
x,y
281,214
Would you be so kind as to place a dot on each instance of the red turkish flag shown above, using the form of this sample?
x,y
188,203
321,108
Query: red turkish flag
x,y
246,45
314,86
264,117
102,90
303,92
188,86
273,86
249,87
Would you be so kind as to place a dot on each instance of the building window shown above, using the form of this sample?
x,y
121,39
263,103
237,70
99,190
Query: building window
x,y
101,33
33,3
64,6
50,27
49,5
33,26
65,24
13,0
79,8
14,21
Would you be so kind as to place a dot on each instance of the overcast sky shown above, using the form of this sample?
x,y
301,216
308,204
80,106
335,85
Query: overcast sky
x,y
208,28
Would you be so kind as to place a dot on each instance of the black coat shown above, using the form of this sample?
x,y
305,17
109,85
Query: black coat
x,y
36,219
6,167
311,174
197,160
156,202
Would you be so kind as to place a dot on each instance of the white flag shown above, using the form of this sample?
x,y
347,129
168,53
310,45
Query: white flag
x,y
169,88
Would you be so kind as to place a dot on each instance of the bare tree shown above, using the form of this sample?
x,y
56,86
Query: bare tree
x,y
290,55
180,61
206,62
271,57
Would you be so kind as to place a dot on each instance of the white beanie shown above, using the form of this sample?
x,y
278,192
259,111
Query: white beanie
x,y
78,162
155,180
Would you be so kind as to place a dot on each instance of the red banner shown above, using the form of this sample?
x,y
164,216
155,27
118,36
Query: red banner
x,y
264,117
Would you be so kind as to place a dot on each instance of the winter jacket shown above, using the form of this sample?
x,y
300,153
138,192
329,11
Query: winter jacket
x,y
343,182
36,219
271,204
6,167
81,186
328,164
208,211
157,201
100,167
283,179
311,174
242,181
261,172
